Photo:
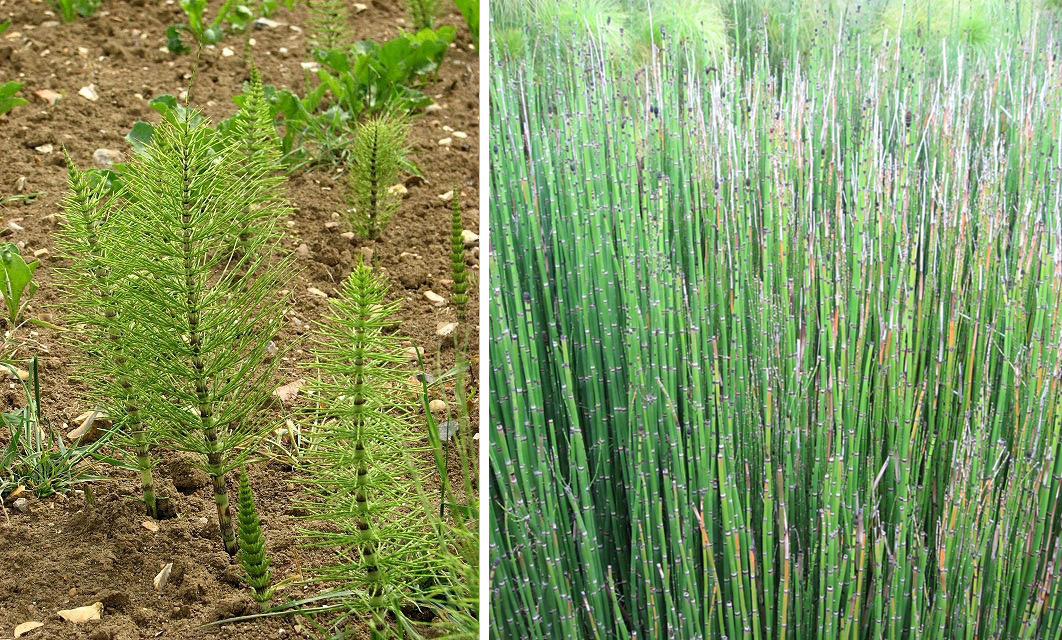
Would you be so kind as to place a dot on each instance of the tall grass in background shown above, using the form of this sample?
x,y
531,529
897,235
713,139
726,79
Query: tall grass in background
x,y
777,353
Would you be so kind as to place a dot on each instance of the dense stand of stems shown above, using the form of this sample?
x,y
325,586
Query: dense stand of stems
x,y
776,353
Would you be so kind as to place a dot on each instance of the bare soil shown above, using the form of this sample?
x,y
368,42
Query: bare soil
x,y
69,551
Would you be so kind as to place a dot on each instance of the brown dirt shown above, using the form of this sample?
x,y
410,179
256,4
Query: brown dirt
x,y
67,551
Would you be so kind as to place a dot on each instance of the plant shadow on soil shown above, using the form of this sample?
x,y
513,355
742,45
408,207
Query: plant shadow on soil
x,y
64,552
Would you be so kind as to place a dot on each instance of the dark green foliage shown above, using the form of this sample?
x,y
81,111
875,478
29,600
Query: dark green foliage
x,y
329,27
376,159
252,543
374,77
423,13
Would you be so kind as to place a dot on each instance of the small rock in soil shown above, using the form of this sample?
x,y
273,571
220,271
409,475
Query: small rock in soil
x,y
413,352
21,374
14,226
227,52
445,142
469,238
106,158
437,405
358,7
163,576
347,235
82,614
266,23
83,52
303,251
366,254
314,291
288,392
447,430
460,134
432,108
445,329
44,148
332,225
399,189
21,505
40,253
49,96
435,298
89,93
26,627
448,196
150,526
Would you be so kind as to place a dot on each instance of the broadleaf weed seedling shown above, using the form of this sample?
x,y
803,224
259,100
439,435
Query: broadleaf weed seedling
x,y
8,99
17,285
377,155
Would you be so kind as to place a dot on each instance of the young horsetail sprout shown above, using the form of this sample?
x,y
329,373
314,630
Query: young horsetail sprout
x,y
457,259
328,28
775,350
90,282
423,13
258,171
252,543
359,460
377,153
203,317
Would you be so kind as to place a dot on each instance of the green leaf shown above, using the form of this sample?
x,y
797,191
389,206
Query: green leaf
x,y
16,280
139,137
213,35
173,40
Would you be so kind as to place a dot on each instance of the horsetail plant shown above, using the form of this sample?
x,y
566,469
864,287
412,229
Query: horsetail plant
x,y
259,169
359,459
775,351
200,318
378,151
457,259
329,30
423,13
90,282
252,543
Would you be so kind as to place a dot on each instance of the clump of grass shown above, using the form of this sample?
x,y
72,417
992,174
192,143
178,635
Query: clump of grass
x,y
773,351
376,159
252,543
